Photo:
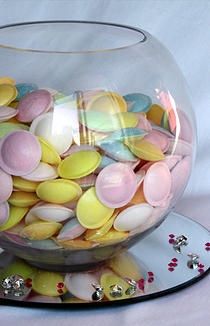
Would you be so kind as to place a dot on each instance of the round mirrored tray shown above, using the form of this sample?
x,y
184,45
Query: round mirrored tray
x,y
174,256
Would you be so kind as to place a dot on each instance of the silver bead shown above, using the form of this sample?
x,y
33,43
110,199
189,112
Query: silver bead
x,y
13,285
98,294
116,291
180,242
193,262
131,290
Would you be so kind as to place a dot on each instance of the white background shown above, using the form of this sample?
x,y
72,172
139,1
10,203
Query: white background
x,y
183,26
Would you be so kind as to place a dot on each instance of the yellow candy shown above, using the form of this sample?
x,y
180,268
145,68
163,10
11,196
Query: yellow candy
x,y
108,102
23,199
109,280
7,94
127,119
113,236
58,191
125,265
144,149
78,243
79,164
49,283
40,230
90,137
155,114
24,185
7,80
15,216
95,234
91,213
49,154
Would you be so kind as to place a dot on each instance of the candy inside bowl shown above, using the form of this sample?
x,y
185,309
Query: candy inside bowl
x,y
93,160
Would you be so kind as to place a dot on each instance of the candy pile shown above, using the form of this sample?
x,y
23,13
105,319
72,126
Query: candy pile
x,y
120,278
88,169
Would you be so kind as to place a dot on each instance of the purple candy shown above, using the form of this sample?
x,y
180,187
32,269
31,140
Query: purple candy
x,y
34,104
20,153
6,186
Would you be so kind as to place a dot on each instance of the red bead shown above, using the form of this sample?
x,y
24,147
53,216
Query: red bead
x,y
150,273
207,244
201,265
60,285
207,248
171,264
150,280
171,241
171,269
201,270
171,236
60,291
28,282
174,260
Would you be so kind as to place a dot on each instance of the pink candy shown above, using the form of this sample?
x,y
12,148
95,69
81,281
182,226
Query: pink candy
x,y
20,153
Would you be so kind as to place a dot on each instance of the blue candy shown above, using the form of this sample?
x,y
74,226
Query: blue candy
x,y
24,89
138,102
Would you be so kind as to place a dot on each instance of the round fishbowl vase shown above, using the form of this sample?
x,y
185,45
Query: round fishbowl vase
x,y
97,140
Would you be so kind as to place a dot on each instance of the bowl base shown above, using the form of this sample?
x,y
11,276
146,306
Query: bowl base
x,y
166,264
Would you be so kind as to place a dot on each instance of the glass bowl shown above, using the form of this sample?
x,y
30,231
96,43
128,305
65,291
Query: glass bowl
x,y
97,140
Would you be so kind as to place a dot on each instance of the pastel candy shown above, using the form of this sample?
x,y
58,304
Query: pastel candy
x,y
145,150
7,113
23,199
51,212
6,186
20,153
58,134
125,266
122,134
157,184
165,121
40,230
8,93
139,197
24,185
25,88
143,123
42,172
158,139
74,281
155,114
99,121
8,127
132,217
112,237
33,105
162,130
16,214
84,97
116,185
138,102
46,244
58,191
75,244
49,283
49,154
73,167
90,212
95,234
107,102
71,230
108,280
118,151
4,213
